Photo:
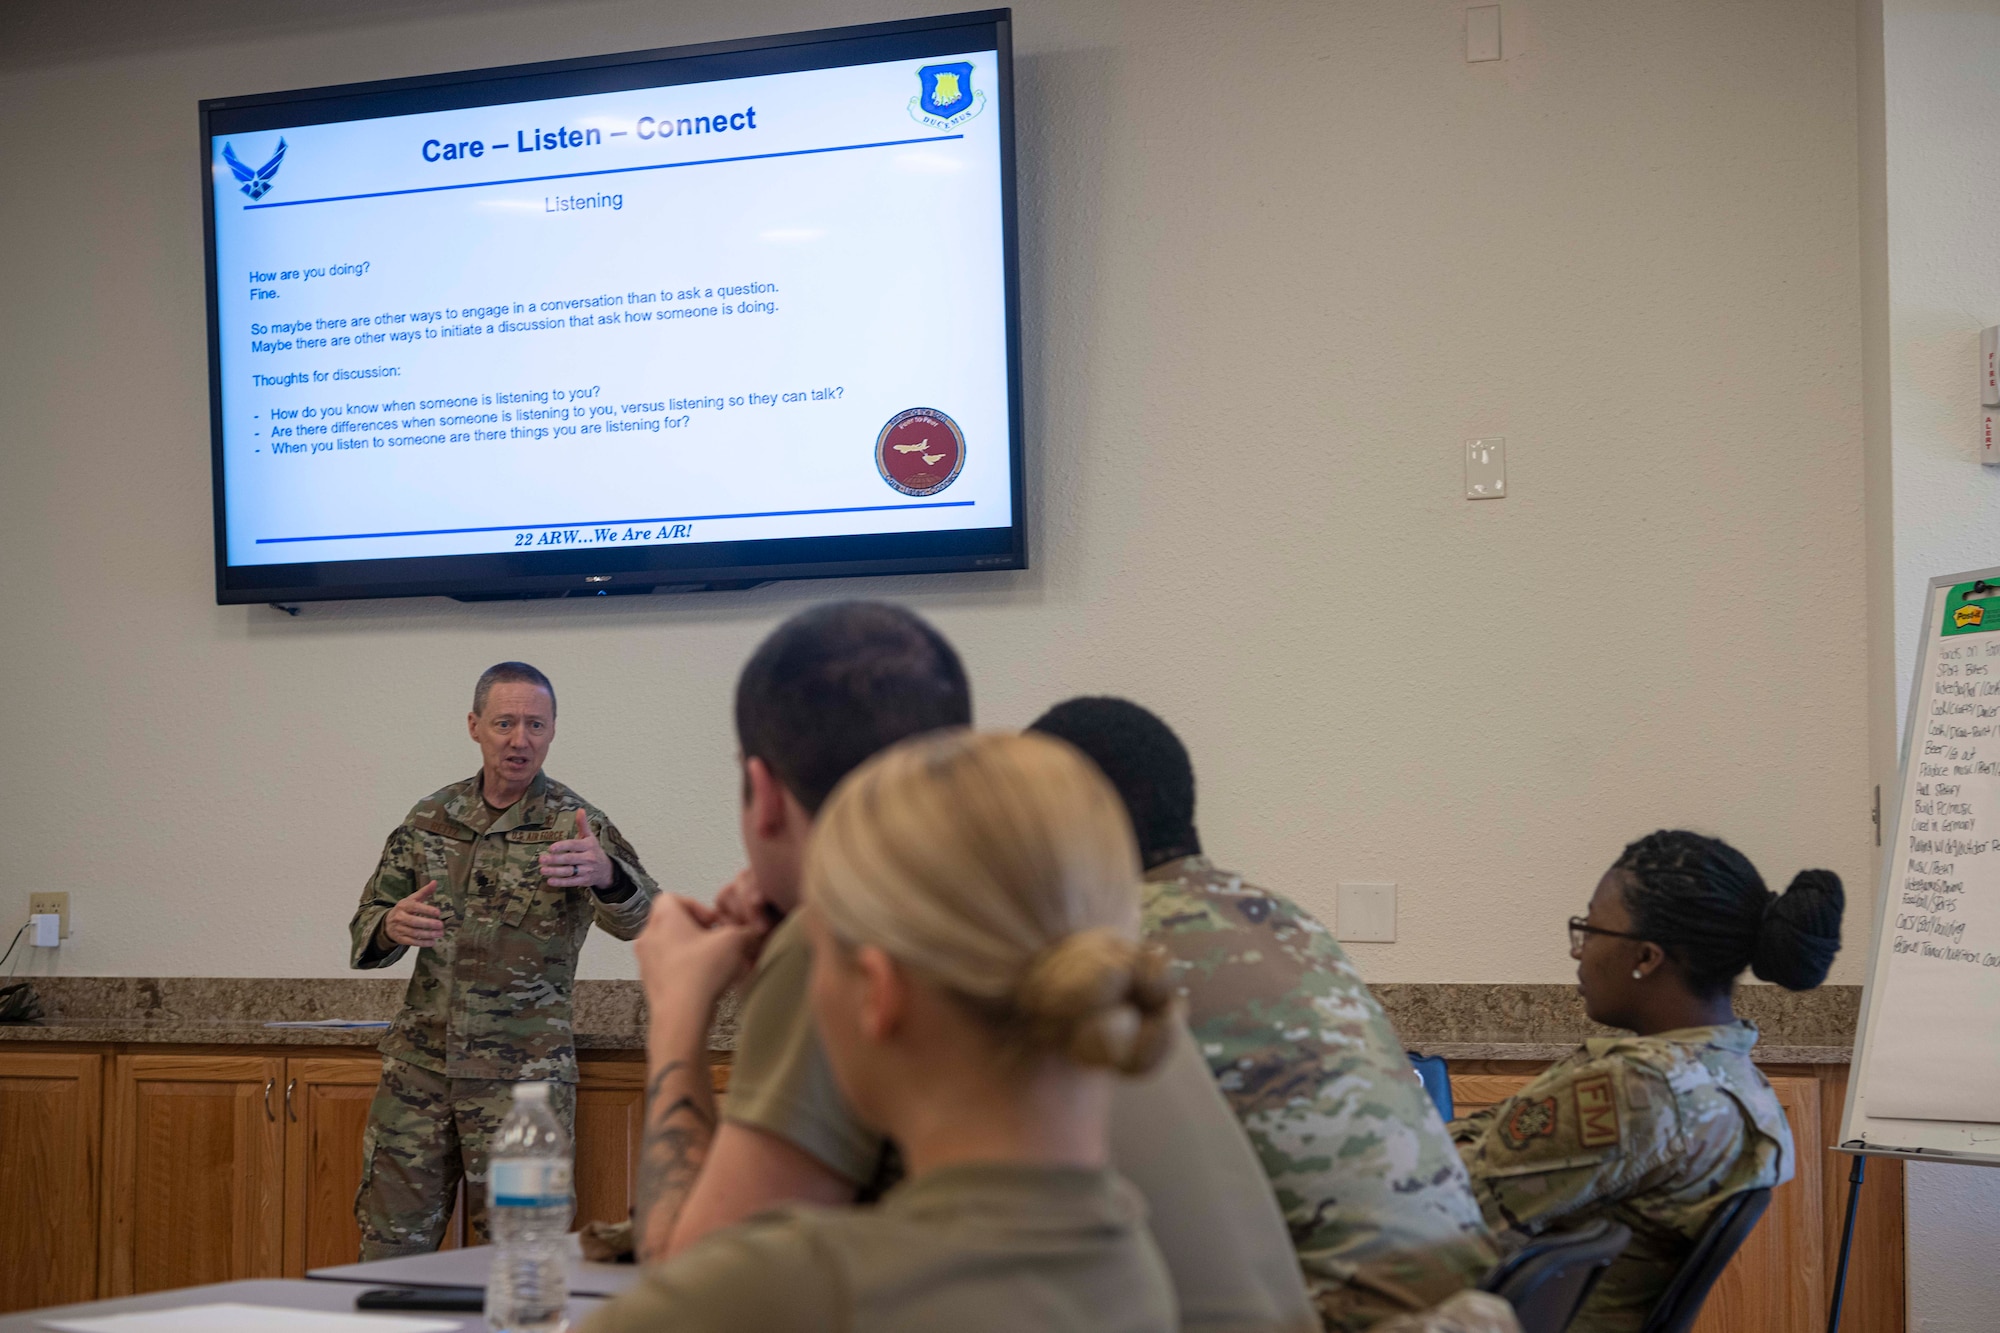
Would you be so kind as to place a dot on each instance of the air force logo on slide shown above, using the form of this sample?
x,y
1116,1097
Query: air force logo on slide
x,y
920,452
256,183
945,97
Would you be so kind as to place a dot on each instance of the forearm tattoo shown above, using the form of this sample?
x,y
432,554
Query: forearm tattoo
x,y
680,1125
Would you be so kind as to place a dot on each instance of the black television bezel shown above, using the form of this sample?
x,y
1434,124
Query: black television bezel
x,y
593,571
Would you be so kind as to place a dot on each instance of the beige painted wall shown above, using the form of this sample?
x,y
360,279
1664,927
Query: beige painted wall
x,y
1941,134
1279,259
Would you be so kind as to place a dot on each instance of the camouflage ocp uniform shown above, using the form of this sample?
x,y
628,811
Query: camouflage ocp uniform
x,y
1651,1132
1378,1204
1467,1312
488,1005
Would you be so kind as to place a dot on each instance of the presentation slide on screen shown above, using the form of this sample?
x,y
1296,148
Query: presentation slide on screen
x,y
748,309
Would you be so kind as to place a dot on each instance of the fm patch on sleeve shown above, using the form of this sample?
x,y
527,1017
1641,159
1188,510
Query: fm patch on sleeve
x,y
1596,1112
1531,1118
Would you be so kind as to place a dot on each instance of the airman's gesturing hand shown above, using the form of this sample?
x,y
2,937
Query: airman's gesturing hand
x,y
416,921
578,862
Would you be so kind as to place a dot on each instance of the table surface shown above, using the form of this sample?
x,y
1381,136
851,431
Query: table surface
x,y
467,1268
284,1292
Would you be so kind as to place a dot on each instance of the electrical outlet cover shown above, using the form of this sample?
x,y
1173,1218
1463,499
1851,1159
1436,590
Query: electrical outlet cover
x,y
1486,468
58,903
1482,33
1365,913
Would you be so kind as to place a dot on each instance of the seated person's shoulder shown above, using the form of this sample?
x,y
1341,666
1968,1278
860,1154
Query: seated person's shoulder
x,y
971,1258
1657,1062
1242,954
772,1272
1718,1093
772,1017
1591,1132
1623,1061
1599,1104
1175,900
780,1081
1189,898
783,964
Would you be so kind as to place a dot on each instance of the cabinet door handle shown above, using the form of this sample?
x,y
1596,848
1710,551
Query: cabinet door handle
x,y
290,1114
269,1114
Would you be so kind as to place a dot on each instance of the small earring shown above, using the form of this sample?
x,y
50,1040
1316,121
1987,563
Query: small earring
x,y
1637,975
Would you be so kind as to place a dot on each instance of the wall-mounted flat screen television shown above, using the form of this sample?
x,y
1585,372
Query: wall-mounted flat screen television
x,y
704,316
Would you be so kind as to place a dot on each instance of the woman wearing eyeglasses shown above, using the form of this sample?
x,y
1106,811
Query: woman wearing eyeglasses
x,y
1657,1129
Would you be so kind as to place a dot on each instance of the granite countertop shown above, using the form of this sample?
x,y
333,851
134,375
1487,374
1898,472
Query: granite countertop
x,y
1456,1021
1542,1022
236,1011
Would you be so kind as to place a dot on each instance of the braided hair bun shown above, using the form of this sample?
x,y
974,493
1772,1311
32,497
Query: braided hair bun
x,y
1704,903
1800,932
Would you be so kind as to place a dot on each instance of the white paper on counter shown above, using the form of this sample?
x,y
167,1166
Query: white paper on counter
x,y
231,1317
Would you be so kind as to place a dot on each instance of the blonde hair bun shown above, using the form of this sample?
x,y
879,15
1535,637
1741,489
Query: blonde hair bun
x,y
1002,867
1100,999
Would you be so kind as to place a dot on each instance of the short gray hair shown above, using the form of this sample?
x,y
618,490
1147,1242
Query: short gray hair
x,y
509,673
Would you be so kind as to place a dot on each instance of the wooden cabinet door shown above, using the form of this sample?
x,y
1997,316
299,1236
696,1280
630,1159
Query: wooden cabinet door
x,y
610,1119
194,1178
326,1110
1476,1092
1777,1283
610,1129
50,1126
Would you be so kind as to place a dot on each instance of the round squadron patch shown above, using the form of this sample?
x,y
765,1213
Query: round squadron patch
x,y
1529,1120
920,452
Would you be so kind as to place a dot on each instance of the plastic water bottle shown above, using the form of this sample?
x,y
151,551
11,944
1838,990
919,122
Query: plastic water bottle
x,y
529,1201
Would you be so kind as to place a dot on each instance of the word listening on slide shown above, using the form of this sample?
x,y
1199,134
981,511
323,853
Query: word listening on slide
x,y
563,138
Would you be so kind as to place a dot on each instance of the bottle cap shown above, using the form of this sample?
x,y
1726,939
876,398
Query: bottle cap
x,y
531,1092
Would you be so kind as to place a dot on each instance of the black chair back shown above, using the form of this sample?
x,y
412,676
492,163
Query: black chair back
x,y
1725,1233
1548,1279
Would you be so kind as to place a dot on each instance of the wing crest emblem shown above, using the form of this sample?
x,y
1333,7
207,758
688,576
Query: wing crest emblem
x,y
255,183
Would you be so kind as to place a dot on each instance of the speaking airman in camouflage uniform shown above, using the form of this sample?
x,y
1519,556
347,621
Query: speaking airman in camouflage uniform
x,y
503,900
1378,1204
1651,1132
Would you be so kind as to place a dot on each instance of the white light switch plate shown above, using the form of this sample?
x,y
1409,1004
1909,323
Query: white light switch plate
x,y
1482,33
1365,913
1486,468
